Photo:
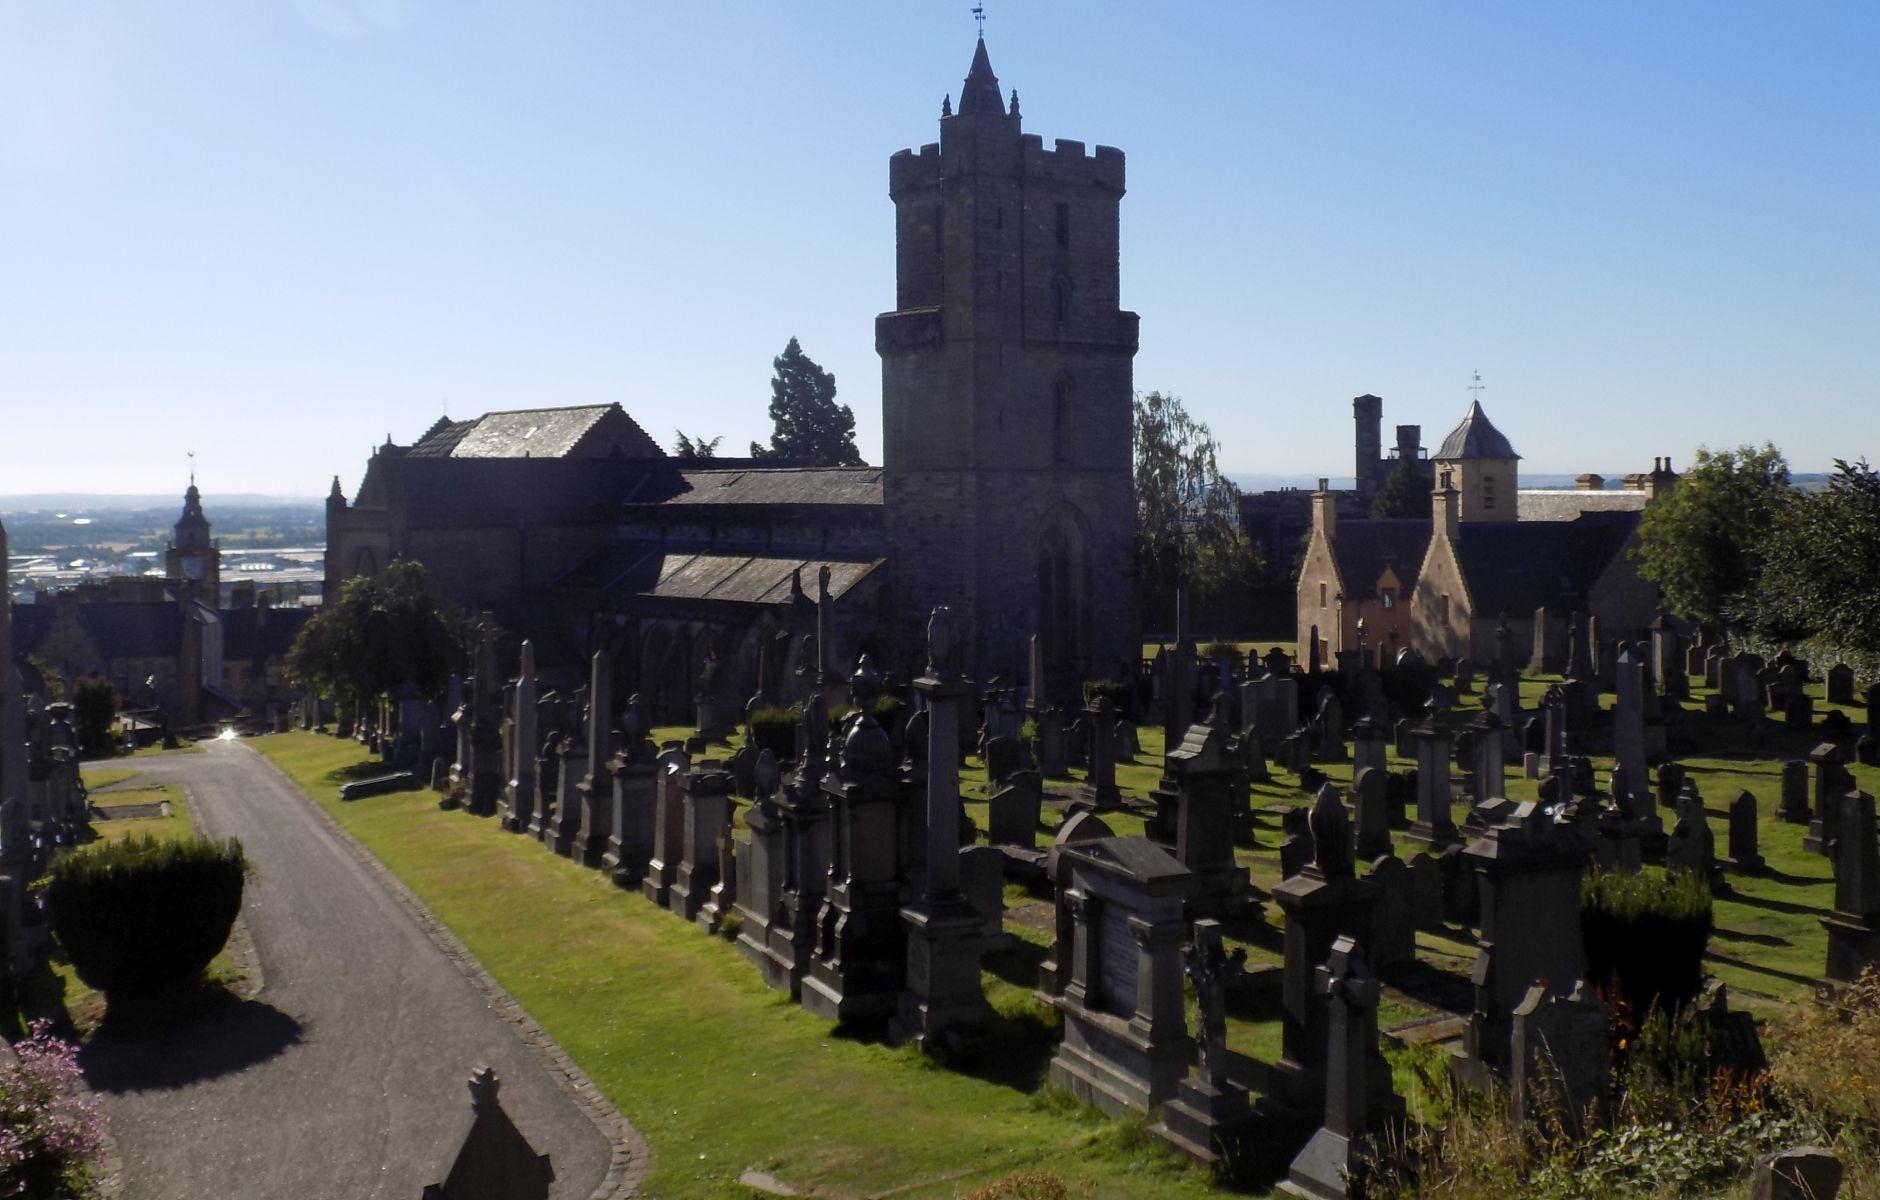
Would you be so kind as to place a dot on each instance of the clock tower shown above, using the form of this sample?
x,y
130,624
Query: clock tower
x,y
193,560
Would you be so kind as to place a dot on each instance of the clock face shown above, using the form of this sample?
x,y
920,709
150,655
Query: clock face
x,y
192,567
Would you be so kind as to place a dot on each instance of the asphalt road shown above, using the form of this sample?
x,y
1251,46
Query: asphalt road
x,y
346,1075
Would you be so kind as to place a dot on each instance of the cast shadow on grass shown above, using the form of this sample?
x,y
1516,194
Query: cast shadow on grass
x,y
203,1032
1754,939
1738,896
1449,991
372,768
1746,965
1018,964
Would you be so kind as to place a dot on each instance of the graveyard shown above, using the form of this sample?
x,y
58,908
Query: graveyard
x,y
897,1028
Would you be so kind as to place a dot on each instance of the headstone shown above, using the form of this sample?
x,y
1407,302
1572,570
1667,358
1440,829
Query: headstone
x,y
1295,847
1628,731
596,786
1203,769
1560,1061
1426,891
1100,791
1488,759
1003,756
705,816
1394,920
672,767
1322,902
1015,809
1209,1114
1433,825
1373,826
1743,835
1803,1173
1048,747
1125,1046
1795,809
1527,872
1832,781
1692,846
1336,1159
1854,925
1370,748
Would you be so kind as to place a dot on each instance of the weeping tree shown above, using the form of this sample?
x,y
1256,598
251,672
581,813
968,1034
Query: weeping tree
x,y
1187,513
383,633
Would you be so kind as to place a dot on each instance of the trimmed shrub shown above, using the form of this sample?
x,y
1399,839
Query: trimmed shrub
x,y
774,729
1645,935
140,914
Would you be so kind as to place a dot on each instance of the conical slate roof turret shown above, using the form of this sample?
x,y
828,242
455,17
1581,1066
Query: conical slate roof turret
x,y
981,91
1476,437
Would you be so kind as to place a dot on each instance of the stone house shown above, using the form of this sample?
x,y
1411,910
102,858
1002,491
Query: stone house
x,y
1490,556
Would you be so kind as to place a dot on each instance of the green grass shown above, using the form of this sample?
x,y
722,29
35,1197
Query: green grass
x,y
720,1074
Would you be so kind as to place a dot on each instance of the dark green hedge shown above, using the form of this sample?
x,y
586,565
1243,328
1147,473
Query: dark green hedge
x,y
137,915
1645,935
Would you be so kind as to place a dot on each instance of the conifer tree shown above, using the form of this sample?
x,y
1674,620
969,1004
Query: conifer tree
x,y
810,426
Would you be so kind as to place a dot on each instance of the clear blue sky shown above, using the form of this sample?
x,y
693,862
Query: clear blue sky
x,y
275,231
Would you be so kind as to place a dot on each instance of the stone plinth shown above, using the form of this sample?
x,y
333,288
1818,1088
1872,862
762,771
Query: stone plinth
x,y
706,815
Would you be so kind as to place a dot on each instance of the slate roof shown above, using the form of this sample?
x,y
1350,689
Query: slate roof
x,y
534,433
810,485
1562,504
1514,567
1476,437
1364,548
735,578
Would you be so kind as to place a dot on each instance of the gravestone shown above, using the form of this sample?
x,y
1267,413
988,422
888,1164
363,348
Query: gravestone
x,y
1329,728
1209,1115
1692,846
1124,1047
944,930
1832,781
1743,835
790,936
596,786
1049,746
1003,756
1394,919
1295,847
1099,790
1373,821
1015,809
1370,748
1054,972
1203,768
1488,759
1527,874
519,792
1336,1159
705,799
1854,925
1433,825
1426,891
1802,1173
761,863
1560,1063
673,765
1322,902
1795,809
634,773
1628,731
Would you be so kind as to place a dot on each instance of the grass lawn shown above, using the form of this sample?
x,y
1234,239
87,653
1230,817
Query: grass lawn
x,y
720,1074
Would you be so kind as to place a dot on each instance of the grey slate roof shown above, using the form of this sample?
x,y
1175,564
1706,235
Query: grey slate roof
x,y
1476,437
1515,567
535,433
1562,504
1364,548
809,485
733,578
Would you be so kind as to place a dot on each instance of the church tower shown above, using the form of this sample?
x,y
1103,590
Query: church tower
x,y
193,559
1482,467
1006,395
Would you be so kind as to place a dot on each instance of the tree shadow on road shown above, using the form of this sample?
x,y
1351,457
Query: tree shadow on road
x,y
216,1034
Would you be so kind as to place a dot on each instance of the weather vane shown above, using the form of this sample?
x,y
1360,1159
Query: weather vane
x,y
979,15
192,467
1476,387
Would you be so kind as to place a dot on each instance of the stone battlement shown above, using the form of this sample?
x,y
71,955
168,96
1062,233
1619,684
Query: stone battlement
x,y
1066,162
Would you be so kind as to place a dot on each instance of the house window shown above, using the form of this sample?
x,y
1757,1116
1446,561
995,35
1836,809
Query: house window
x,y
1488,491
1389,597
1321,595
1444,606
1064,225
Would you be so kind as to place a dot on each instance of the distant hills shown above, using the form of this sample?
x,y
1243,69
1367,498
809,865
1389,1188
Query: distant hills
x,y
1805,480
86,501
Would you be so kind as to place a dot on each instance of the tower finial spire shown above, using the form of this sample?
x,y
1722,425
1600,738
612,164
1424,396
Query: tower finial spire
x,y
192,467
979,15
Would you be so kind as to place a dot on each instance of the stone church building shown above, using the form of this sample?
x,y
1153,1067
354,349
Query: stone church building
x,y
1005,489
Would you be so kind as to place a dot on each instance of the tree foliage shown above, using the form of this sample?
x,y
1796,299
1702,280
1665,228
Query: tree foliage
x,y
690,449
1701,544
94,712
809,425
1820,577
1187,514
1405,494
383,632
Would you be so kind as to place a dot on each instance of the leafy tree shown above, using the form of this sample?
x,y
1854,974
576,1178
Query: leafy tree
x,y
94,712
1405,494
383,632
692,448
810,425
1700,544
1821,568
1187,514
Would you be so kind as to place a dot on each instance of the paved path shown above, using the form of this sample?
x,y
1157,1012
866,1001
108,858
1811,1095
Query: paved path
x,y
346,1076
